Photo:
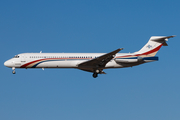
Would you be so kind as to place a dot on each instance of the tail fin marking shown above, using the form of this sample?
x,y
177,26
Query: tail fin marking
x,y
153,46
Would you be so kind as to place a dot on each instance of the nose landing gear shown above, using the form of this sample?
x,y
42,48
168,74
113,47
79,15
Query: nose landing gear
x,y
14,72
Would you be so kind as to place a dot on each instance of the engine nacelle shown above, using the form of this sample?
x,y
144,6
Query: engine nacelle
x,y
129,60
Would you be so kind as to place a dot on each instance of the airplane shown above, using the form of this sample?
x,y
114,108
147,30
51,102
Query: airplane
x,y
90,62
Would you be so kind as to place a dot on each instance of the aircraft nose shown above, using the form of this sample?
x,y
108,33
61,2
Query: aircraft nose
x,y
7,63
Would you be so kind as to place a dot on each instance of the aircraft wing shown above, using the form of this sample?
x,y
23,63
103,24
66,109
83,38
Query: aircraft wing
x,y
98,62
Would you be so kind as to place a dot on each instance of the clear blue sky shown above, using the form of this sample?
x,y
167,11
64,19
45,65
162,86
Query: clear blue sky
x,y
146,92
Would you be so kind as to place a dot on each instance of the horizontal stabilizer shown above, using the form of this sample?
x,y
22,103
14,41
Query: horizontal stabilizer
x,y
161,39
153,46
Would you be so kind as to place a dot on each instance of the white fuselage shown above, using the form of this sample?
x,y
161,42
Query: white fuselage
x,y
56,60
66,60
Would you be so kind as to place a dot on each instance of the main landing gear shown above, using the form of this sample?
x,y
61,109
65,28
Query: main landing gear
x,y
14,72
95,74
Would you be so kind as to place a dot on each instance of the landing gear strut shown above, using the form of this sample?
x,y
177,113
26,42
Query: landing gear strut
x,y
96,72
14,72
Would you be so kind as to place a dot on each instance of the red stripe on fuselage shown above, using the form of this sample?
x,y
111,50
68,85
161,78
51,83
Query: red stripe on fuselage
x,y
152,51
25,65
146,53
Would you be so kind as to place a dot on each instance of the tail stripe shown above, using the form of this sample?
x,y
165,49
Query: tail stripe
x,y
146,53
152,51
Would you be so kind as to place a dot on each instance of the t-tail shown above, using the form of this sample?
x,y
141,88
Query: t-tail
x,y
147,53
153,46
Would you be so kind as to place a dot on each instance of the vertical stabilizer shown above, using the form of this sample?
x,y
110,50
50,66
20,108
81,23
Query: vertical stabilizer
x,y
153,45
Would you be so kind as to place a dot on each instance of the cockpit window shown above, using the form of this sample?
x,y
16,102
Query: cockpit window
x,y
16,56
